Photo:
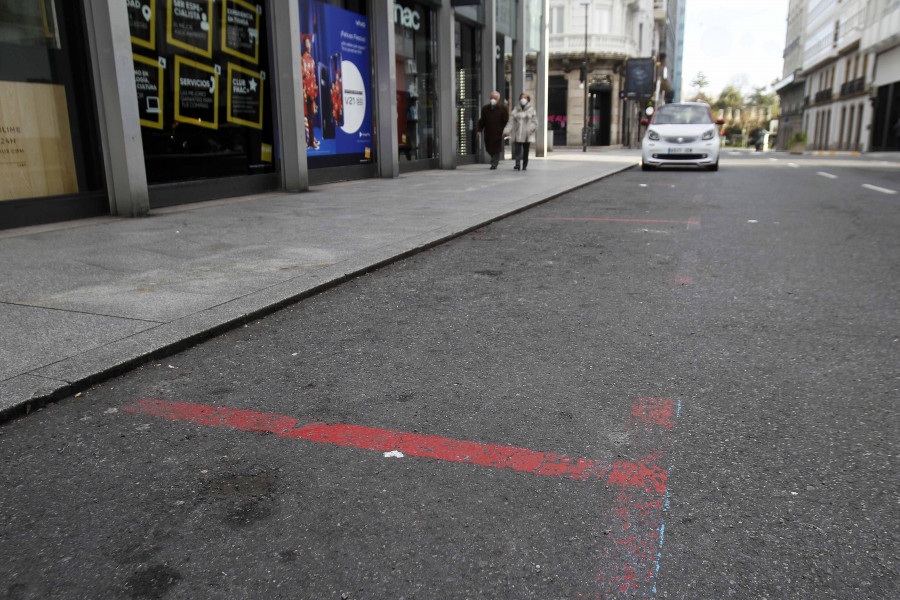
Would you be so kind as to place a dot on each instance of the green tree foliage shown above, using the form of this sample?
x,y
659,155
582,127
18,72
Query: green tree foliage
x,y
730,97
767,103
701,97
700,81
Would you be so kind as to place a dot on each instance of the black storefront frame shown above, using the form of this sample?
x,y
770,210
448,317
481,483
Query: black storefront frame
x,y
477,31
72,30
434,162
162,195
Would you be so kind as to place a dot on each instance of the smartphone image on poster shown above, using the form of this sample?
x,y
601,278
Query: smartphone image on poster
x,y
337,90
325,107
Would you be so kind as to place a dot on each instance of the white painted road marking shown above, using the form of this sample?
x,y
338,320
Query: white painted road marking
x,y
879,189
828,175
793,165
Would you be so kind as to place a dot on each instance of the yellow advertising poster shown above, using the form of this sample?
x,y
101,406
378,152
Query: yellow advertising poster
x,y
36,156
148,79
189,25
240,29
245,93
196,93
142,22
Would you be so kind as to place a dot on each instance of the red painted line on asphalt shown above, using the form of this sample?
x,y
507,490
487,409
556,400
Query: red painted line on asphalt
x,y
629,564
371,438
620,220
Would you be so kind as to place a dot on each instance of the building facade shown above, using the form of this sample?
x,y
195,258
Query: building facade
x,y
838,74
121,106
881,40
792,87
604,34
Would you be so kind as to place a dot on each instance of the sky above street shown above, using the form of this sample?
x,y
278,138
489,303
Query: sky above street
x,y
733,42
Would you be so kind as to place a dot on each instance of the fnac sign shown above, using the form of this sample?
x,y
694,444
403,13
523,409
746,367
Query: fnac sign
x,y
406,17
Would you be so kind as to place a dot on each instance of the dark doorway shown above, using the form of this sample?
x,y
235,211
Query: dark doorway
x,y
468,87
557,108
601,113
886,121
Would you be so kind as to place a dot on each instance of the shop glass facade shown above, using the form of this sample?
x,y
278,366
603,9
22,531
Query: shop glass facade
x,y
204,96
49,140
468,87
416,52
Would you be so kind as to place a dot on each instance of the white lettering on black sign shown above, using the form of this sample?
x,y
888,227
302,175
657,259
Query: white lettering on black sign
x,y
407,17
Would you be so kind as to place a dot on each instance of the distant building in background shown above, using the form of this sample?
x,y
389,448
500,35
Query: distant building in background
x,y
845,57
838,76
616,31
669,15
678,25
792,87
881,39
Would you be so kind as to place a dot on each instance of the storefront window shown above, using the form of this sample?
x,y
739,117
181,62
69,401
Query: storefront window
x,y
468,87
416,49
204,91
49,145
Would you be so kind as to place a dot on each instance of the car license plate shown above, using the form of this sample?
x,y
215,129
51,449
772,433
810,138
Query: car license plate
x,y
679,150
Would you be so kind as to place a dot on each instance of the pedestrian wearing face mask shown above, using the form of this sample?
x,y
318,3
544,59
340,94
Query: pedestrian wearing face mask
x,y
494,117
522,130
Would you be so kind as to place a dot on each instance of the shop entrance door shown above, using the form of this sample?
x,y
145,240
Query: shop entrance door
x,y
601,113
468,89
557,108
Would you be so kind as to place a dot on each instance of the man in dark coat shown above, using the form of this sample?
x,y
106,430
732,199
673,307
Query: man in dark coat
x,y
494,117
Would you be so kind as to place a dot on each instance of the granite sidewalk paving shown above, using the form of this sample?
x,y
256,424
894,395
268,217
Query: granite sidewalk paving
x,y
84,300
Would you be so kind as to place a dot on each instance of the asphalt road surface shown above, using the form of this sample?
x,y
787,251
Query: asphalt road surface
x,y
672,384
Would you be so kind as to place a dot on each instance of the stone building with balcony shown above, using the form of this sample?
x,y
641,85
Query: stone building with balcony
x,y
838,75
609,32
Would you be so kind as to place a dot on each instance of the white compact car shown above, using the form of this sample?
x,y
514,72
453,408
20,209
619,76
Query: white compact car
x,y
683,134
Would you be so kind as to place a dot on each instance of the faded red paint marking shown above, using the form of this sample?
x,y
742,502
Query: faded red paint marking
x,y
629,563
653,411
681,281
620,220
643,475
371,438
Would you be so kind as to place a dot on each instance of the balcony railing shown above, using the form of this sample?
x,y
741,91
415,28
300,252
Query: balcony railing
x,y
823,96
598,43
853,87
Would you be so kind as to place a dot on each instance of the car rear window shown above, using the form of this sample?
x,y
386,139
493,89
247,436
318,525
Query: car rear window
x,y
673,114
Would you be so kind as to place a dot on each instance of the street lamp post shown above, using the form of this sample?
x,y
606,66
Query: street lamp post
x,y
584,69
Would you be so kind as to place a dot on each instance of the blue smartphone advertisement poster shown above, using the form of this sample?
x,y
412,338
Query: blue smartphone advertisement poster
x,y
336,73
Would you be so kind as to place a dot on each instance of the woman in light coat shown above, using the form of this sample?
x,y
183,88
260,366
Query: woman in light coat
x,y
522,128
